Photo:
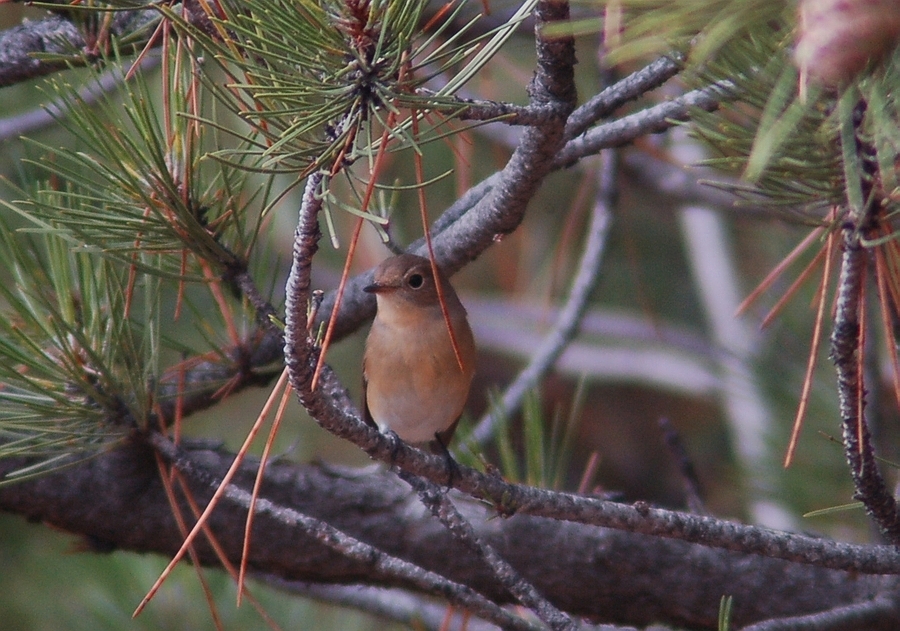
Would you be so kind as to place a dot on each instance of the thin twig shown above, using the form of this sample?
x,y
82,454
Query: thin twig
x,y
870,486
847,338
596,108
652,120
508,113
879,614
631,87
566,326
441,507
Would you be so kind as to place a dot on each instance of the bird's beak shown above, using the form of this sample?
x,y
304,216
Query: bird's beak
x,y
374,288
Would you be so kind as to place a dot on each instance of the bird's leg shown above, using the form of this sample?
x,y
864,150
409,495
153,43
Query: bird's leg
x,y
438,447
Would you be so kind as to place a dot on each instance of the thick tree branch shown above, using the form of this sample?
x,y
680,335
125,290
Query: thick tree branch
x,y
595,572
60,36
383,567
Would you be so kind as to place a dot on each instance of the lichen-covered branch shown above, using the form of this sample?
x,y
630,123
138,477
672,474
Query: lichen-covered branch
x,y
23,48
871,487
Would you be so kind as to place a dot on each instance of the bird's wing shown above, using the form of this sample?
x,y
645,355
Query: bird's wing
x,y
367,415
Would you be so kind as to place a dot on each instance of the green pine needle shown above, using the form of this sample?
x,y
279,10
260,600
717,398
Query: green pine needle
x,y
726,604
546,445
314,81
74,374
141,190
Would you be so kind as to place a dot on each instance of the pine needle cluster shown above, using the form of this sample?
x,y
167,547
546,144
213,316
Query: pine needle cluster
x,y
127,220
316,81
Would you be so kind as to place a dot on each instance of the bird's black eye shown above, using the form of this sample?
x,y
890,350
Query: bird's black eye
x,y
415,280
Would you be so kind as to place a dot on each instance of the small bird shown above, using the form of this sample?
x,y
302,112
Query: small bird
x,y
412,380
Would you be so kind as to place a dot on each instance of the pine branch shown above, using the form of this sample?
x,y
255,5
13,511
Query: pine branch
x,y
879,614
634,579
382,566
467,226
509,113
439,504
615,96
331,408
870,486
39,48
653,120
